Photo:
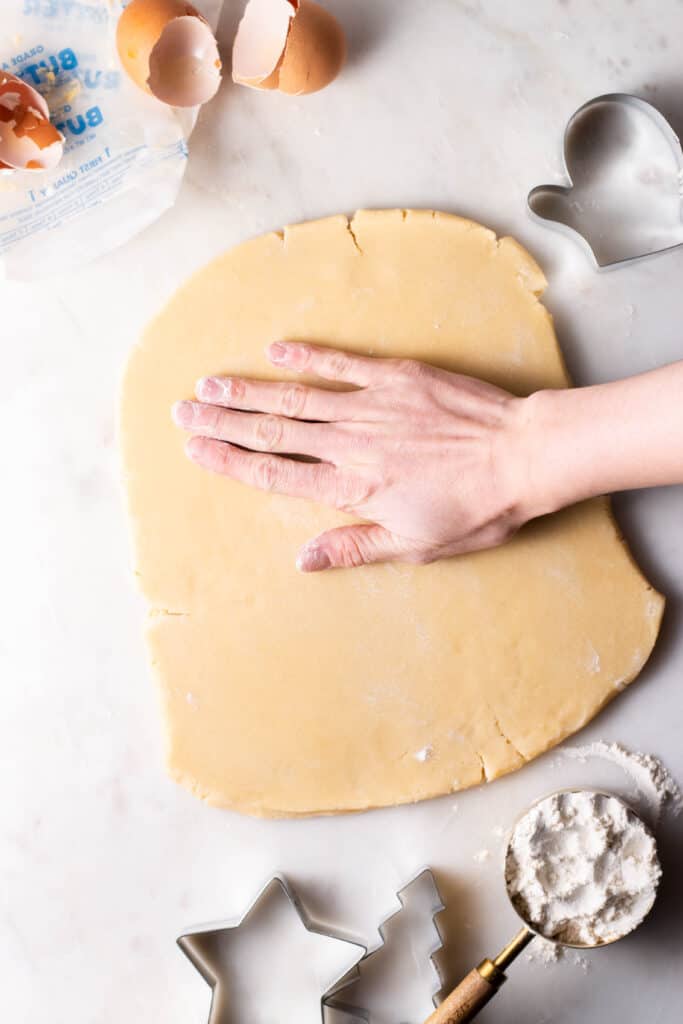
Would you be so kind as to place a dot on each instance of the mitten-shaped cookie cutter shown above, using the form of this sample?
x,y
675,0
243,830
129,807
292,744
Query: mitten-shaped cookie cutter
x,y
624,166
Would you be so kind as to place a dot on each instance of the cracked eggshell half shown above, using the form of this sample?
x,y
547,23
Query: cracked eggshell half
x,y
294,46
168,49
28,141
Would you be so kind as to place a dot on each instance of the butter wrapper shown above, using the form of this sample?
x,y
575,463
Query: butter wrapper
x,y
125,153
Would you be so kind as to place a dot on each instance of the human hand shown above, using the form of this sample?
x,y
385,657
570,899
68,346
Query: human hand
x,y
434,462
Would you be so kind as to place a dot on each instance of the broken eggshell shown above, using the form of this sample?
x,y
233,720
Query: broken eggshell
x,y
28,141
294,46
168,49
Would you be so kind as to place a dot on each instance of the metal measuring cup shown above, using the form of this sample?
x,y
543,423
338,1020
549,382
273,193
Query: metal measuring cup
x,y
481,984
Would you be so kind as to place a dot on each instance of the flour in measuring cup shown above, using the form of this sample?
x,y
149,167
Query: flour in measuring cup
x,y
582,868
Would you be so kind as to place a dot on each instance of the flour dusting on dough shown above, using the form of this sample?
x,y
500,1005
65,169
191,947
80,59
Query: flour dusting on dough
x,y
594,662
425,754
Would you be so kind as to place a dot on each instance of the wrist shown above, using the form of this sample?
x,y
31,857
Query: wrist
x,y
556,452
576,443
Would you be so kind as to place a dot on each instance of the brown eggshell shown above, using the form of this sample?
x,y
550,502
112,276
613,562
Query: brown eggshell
x,y
315,51
260,42
28,141
161,43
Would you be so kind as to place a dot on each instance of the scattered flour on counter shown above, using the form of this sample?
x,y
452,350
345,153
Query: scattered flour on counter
x,y
582,868
543,951
582,962
651,779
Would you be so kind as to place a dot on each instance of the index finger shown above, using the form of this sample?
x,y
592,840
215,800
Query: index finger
x,y
328,363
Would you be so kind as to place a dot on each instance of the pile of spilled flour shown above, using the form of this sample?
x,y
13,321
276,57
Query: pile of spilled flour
x,y
582,868
652,783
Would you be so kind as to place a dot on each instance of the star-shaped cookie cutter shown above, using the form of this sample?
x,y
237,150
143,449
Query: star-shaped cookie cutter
x,y
196,947
624,166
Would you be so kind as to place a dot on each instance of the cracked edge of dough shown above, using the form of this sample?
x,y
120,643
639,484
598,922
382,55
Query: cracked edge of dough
x,y
262,810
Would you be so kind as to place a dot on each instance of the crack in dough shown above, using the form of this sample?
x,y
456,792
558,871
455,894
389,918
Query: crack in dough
x,y
507,739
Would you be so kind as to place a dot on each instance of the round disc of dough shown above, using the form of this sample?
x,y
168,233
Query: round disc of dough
x,y
286,694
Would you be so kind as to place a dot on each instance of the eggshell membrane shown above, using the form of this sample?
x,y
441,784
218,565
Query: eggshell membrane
x,y
151,33
315,51
260,42
28,141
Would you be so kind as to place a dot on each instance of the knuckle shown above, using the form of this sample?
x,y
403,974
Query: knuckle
x,y
321,484
268,432
266,474
234,387
221,456
349,553
412,369
304,354
338,364
363,441
293,400
352,492
211,418
405,367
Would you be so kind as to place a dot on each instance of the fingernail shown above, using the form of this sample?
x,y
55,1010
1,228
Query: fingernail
x,y
183,413
209,389
277,352
313,559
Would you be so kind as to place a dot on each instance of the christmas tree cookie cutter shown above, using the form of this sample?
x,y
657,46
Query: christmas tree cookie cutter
x,y
623,164
209,950
419,899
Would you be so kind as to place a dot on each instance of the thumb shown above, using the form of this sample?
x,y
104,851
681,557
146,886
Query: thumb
x,y
348,547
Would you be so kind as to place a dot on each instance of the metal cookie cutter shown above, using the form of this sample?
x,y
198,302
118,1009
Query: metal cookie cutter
x,y
384,986
624,165
233,959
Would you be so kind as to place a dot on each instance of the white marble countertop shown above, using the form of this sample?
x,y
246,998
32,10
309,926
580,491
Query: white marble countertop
x,y
103,861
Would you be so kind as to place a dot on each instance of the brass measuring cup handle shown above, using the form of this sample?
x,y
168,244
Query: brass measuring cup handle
x,y
480,985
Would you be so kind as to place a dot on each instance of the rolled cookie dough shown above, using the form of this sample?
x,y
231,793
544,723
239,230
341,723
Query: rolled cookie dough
x,y
289,695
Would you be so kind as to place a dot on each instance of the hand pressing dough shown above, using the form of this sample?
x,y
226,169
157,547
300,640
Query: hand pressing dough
x,y
289,695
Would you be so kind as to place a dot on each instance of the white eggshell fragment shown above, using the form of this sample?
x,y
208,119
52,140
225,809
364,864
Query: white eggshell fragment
x,y
168,49
28,141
